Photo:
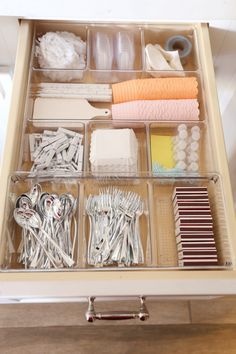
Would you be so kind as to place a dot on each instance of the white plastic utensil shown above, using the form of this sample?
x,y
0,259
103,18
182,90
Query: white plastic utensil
x,y
66,109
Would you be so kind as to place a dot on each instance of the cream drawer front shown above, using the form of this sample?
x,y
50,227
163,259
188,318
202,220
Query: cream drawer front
x,y
149,282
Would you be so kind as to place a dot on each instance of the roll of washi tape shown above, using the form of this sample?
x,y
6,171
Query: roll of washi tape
x,y
180,43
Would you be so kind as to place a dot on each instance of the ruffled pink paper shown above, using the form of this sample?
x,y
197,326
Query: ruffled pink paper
x,y
180,110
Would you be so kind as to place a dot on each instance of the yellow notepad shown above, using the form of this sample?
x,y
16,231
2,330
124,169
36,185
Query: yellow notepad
x,y
162,150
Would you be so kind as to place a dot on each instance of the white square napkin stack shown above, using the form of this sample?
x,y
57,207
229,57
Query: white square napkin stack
x,y
114,151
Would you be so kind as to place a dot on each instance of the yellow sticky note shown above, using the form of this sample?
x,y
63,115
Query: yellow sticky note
x,y
162,150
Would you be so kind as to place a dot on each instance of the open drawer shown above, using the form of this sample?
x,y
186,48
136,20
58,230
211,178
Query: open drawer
x,y
159,273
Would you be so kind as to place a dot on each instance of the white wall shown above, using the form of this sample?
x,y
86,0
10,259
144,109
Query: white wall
x,y
204,10
223,41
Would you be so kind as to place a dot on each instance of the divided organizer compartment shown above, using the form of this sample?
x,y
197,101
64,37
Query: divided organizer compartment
x,y
21,183
139,129
105,186
32,110
166,156
156,222
141,34
35,129
120,37
144,131
161,34
115,54
157,227
164,224
58,74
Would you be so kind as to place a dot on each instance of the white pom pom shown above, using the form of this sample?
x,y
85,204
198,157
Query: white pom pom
x,y
196,136
182,127
180,155
183,134
181,165
193,167
195,128
193,157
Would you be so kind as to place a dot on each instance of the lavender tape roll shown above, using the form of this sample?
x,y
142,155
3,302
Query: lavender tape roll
x,y
180,43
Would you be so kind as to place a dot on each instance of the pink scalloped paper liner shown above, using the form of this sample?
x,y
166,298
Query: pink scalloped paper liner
x,y
179,110
155,89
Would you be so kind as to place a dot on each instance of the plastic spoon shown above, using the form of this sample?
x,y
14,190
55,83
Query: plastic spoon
x,y
30,219
35,193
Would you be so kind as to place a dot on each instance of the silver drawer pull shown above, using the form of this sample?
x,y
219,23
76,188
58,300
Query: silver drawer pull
x,y
91,315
